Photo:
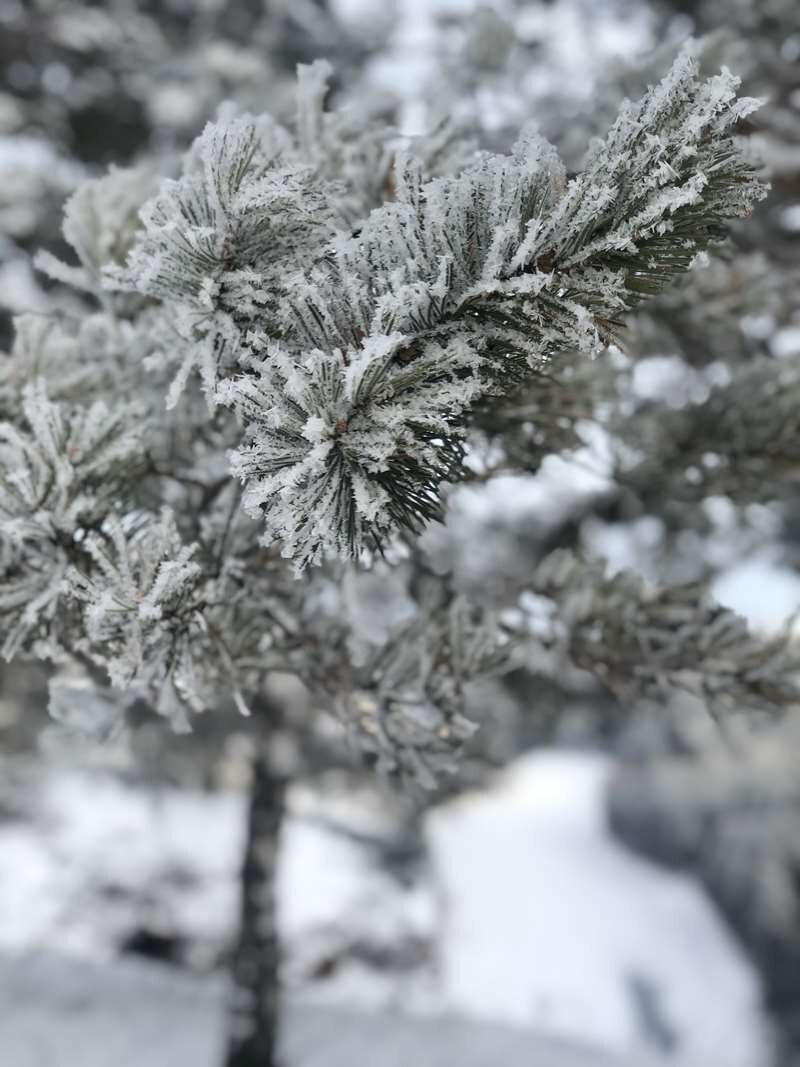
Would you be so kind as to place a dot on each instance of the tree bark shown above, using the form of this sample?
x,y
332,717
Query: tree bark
x,y
253,1016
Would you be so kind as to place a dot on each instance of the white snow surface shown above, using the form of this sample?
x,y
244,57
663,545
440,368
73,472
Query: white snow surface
x,y
548,919
61,1012
762,589
537,921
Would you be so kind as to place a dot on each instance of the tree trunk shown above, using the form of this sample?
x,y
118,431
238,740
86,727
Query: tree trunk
x,y
255,966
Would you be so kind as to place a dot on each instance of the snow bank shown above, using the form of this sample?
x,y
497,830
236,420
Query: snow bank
x,y
549,923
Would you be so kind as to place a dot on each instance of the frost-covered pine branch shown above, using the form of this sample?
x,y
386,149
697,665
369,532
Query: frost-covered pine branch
x,y
360,310
740,442
400,688
645,642
59,475
453,293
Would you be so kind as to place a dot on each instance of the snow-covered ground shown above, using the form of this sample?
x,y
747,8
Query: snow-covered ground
x,y
529,916
141,1015
549,923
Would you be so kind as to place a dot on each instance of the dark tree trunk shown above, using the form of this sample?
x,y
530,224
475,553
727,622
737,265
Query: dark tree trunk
x,y
256,960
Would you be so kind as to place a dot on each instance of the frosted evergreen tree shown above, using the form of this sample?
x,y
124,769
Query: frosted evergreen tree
x,y
296,349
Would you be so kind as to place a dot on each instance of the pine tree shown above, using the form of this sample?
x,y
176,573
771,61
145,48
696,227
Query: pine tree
x,y
295,349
